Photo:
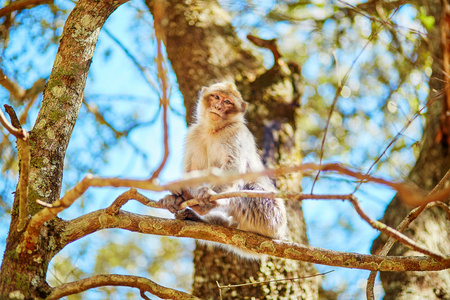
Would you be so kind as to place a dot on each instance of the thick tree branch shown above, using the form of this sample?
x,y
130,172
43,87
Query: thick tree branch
x,y
391,232
141,283
195,179
99,220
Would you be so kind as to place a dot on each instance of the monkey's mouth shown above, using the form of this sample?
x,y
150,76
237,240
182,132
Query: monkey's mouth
x,y
215,114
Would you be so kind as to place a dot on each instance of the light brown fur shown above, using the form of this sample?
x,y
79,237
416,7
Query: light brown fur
x,y
220,139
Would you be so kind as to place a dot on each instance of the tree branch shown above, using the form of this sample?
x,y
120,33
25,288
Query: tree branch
x,y
120,201
21,4
403,225
196,179
141,283
23,150
19,133
99,220
24,158
16,91
158,15
391,232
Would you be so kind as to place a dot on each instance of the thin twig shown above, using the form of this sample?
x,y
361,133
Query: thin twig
x,y
162,75
397,136
120,201
400,237
339,89
144,71
269,281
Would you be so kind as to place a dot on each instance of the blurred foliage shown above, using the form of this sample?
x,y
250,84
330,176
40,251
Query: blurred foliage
x,y
118,129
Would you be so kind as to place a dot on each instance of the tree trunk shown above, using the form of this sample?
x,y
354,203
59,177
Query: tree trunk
x,y
204,48
24,269
432,227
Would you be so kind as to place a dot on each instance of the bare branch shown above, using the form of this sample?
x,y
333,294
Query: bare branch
x,y
269,281
21,4
99,220
394,233
339,89
403,225
262,194
13,88
16,91
17,132
144,71
269,44
397,136
141,283
158,15
120,201
93,109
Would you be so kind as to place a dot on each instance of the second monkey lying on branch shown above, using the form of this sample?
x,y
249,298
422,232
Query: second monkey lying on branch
x,y
220,139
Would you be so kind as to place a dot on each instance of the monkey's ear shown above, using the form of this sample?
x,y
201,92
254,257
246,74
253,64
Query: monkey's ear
x,y
202,92
244,106
230,85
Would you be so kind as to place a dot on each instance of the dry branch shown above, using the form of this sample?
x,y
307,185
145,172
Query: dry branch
x,y
120,201
21,4
17,132
99,220
403,225
158,16
141,283
24,157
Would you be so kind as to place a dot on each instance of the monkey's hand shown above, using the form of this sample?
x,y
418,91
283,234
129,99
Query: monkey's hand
x,y
171,202
188,214
202,195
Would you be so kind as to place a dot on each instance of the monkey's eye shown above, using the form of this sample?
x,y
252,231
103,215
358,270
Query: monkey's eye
x,y
216,97
228,102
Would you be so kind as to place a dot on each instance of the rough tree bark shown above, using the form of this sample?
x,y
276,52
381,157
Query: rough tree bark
x,y
204,48
432,227
23,271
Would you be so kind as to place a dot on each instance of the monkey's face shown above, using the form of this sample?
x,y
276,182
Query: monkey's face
x,y
221,106
220,103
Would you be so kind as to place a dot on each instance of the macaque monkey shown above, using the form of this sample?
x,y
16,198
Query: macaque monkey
x,y
220,139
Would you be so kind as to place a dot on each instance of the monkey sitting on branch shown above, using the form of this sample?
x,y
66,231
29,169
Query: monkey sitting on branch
x,y
220,139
